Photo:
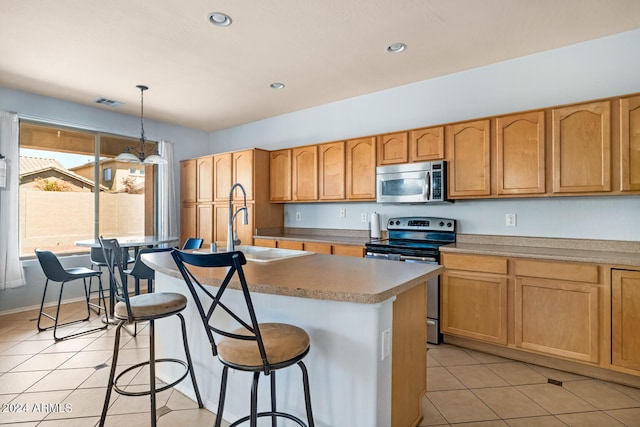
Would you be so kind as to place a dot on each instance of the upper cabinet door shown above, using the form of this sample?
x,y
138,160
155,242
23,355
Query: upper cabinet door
x,y
630,143
469,153
222,176
426,144
305,173
393,148
361,168
243,173
188,181
280,175
204,167
331,171
520,153
582,148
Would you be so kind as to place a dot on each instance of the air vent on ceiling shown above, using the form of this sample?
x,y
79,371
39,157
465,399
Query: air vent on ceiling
x,y
109,102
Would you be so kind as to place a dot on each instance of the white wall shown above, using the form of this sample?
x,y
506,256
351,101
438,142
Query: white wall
x,y
600,68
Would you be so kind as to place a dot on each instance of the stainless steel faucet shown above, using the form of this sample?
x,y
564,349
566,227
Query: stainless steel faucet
x,y
231,241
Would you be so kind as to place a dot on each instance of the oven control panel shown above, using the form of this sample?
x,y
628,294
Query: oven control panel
x,y
422,224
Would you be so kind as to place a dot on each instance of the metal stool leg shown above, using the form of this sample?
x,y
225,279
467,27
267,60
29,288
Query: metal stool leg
x,y
274,419
254,400
152,370
189,361
307,394
114,363
223,393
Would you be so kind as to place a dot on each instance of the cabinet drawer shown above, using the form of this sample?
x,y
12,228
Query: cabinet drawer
x,y
479,263
319,248
290,244
269,243
575,272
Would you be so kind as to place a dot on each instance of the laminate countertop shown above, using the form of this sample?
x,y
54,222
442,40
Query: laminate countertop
x,y
316,276
617,253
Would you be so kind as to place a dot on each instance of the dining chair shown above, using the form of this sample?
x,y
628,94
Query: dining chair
x,y
192,243
141,271
55,272
144,307
260,348
98,261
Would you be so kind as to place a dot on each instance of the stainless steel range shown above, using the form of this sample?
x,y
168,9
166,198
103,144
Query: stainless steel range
x,y
418,239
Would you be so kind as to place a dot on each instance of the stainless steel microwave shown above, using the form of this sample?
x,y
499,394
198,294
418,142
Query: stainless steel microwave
x,y
424,182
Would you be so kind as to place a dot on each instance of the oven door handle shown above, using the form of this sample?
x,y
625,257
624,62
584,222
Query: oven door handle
x,y
408,258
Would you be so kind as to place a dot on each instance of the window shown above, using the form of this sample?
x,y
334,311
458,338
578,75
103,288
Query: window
x,y
62,192
132,171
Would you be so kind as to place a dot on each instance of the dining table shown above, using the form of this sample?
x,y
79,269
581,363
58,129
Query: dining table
x,y
127,243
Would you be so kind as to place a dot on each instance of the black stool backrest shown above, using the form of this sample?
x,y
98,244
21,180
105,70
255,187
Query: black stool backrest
x,y
232,262
192,243
113,254
141,270
51,266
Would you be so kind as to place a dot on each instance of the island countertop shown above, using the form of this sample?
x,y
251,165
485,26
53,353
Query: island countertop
x,y
316,276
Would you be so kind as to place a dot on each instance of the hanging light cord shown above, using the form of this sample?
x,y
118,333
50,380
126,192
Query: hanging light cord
x,y
142,139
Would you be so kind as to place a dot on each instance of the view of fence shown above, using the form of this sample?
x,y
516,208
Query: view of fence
x,y
55,220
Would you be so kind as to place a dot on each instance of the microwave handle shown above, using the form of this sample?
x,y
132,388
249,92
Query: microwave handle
x,y
428,185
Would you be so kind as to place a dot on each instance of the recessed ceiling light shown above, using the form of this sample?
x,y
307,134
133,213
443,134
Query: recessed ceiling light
x,y
396,47
277,85
219,19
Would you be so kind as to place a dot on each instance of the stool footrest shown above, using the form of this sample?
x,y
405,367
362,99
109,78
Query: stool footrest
x,y
270,414
119,390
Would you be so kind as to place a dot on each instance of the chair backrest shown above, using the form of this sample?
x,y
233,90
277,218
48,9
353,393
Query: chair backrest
x,y
113,253
51,266
232,263
96,255
192,243
141,270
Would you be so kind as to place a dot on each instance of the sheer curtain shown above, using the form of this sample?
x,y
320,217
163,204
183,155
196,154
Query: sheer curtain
x,y
11,274
167,224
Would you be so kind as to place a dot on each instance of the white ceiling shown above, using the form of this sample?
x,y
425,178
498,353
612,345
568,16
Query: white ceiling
x,y
209,78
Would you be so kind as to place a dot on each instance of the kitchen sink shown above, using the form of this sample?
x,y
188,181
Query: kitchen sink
x,y
263,254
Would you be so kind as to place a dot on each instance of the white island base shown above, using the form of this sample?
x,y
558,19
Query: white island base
x,y
367,362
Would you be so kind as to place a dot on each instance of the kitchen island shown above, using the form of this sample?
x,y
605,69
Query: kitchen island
x,y
367,323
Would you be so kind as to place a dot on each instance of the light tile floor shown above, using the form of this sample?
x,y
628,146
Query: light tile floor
x,y
43,383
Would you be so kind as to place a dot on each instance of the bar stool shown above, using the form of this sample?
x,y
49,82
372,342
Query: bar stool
x,y
145,307
54,272
253,347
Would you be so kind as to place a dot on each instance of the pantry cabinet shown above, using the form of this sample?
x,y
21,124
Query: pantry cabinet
x,y
469,152
520,154
582,148
625,318
209,220
630,143
474,297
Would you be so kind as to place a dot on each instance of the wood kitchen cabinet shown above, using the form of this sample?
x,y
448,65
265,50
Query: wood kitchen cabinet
x,y
280,175
361,168
222,176
625,318
469,152
582,148
393,148
557,308
426,144
331,171
474,297
204,173
304,171
630,143
209,220
188,181
520,154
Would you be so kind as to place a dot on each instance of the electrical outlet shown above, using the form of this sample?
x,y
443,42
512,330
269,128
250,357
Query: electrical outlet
x,y
510,220
363,217
343,213
386,344
298,216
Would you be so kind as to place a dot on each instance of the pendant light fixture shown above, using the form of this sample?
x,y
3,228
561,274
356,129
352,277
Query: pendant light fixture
x,y
128,156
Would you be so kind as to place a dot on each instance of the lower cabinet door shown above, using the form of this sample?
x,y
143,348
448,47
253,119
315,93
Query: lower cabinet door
x,y
559,318
474,305
625,318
